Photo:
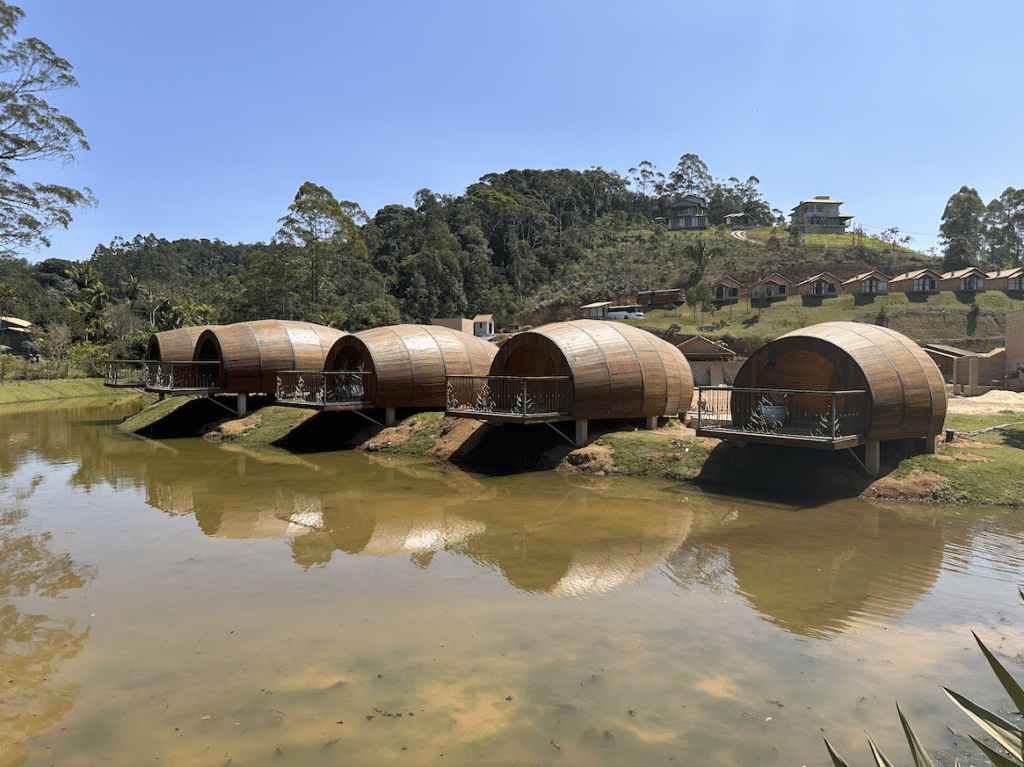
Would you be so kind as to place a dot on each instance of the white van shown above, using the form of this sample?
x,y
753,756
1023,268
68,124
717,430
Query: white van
x,y
625,313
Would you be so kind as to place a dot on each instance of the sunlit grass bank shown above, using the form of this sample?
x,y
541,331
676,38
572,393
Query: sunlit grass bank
x,y
16,396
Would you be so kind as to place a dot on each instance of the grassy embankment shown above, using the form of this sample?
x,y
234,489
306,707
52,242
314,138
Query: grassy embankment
x,y
19,396
943,318
985,468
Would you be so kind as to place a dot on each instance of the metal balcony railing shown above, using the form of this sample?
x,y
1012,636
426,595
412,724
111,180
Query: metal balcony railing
x,y
313,388
790,414
191,376
125,373
516,396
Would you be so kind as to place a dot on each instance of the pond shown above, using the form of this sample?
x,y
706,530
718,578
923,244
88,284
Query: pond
x,y
181,602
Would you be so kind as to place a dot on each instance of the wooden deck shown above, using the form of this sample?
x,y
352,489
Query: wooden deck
x,y
510,399
826,420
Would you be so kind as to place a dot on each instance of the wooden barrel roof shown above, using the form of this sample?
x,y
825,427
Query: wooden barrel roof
x,y
176,345
411,361
906,393
251,354
617,370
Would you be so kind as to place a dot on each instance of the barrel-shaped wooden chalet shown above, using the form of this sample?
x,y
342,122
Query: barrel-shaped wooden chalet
x,y
833,385
168,361
409,363
251,354
578,371
387,367
178,345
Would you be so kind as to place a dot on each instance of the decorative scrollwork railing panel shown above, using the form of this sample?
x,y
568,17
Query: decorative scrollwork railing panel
x,y
815,415
336,387
182,376
521,396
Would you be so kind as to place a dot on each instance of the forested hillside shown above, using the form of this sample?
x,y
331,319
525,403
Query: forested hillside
x,y
525,245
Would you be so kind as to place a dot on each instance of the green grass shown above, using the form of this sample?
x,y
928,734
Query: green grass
x,y
275,422
153,413
941,318
19,396
995,480
646,454
764,233
426,430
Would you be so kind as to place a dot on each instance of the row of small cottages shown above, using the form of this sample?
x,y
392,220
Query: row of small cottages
x,y
873,283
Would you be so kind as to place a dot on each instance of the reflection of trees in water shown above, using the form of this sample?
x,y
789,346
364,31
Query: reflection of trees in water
x,y
65,435
32,646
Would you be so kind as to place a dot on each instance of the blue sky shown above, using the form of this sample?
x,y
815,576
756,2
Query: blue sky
x,y
205,118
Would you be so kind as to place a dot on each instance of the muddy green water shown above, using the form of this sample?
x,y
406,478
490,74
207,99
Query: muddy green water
x,y
183,603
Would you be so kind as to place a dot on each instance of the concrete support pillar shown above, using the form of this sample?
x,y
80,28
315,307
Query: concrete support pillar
x,y
931,444
652,423
389,416
581,432
873,457
972,379
242,401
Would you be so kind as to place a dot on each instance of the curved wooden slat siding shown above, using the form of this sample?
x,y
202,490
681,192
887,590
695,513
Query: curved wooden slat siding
x,y
252,353
177,345
410,361
906,393
617,371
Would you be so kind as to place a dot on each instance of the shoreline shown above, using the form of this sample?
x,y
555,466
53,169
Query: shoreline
x,y
973,468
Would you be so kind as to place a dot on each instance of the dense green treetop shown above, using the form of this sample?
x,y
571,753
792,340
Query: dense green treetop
x,y
32,129
960,229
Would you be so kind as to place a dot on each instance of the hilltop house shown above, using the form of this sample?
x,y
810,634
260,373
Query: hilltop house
x,y
1008,280
920,281
872,283
971,280
691,212
775,286
822,285
819,216
740,221
726,291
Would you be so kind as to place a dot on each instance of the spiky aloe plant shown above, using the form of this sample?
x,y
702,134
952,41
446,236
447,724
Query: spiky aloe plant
x,y
1007,735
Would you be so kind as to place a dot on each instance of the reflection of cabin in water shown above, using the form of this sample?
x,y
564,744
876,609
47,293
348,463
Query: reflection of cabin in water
x,y
833,386
577,371
387,368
